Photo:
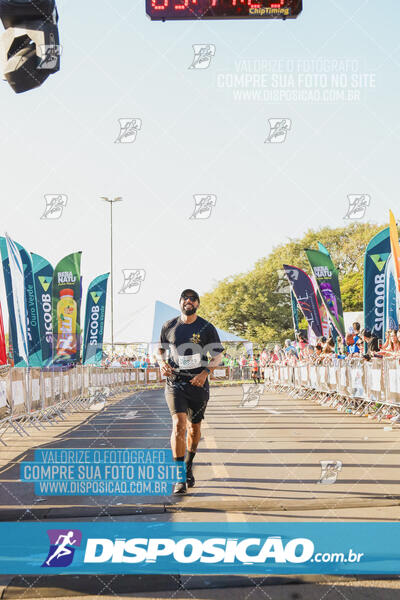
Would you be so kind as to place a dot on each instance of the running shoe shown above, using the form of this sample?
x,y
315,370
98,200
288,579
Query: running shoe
x,y
180,488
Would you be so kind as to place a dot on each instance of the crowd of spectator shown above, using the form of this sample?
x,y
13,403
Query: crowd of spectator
x,y
136,362
255,363
358,343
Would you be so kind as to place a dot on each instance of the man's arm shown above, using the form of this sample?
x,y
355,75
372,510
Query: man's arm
x,y
160,353
165,368
200,379
214,362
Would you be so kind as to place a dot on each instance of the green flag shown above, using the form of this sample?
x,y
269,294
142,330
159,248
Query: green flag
x,y
327,278
66,301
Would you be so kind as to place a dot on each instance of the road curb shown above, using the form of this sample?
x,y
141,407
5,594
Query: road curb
x,y
260,505
27,514
190,504
70,586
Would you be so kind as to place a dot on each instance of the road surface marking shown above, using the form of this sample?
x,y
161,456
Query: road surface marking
x,y
131,414
270,410
221,472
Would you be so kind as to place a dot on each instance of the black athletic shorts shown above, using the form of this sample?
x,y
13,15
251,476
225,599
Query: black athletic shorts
x,y
182,396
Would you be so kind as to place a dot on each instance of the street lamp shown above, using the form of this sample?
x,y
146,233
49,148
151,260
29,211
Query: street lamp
x,y
111,202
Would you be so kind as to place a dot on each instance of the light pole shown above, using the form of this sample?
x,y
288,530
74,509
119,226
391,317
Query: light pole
x,y
111,202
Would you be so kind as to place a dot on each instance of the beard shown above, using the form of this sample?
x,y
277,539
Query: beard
x,y
189,311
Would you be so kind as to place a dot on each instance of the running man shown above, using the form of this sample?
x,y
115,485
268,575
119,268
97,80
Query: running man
x,y
62,542
189,339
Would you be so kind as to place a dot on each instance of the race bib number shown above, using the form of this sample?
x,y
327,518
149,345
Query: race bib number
x,y
190,362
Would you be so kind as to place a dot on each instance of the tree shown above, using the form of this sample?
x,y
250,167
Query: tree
x,y
351,287
252,305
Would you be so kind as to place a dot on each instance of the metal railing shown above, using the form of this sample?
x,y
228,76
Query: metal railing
x,y
42,397
354,386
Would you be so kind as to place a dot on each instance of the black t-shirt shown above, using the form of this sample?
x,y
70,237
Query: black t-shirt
x,y
189,343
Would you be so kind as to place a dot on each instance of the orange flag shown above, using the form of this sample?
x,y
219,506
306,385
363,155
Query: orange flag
x,y
395,247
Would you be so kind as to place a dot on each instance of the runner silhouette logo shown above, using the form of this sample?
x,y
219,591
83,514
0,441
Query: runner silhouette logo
x,y
63,543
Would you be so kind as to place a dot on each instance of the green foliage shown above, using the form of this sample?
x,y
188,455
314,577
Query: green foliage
x,y
351,287
302,321
251,305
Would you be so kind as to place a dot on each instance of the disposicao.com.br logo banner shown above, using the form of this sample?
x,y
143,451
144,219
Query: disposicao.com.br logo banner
x,y
199,548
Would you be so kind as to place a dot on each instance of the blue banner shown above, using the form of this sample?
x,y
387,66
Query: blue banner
x,y
32,322
375,258
94,321
199,548
43,279
17,351
391,320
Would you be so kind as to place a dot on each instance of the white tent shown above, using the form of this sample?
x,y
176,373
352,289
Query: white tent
x,y
162,313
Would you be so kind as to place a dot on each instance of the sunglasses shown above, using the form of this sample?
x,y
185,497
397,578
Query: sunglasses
x,y
191,298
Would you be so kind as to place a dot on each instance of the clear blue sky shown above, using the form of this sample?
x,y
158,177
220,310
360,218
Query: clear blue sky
x,y
199,136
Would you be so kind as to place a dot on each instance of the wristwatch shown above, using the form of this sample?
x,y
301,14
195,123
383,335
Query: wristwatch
x,y
207,369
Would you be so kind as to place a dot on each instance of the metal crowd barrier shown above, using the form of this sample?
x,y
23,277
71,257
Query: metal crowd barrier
x,y
40,397
355,386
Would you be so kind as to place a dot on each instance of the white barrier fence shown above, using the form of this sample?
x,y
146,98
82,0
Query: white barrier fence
x,y
26,391
41,396
358,385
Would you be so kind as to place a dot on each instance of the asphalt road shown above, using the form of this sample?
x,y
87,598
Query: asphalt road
x,y
253,463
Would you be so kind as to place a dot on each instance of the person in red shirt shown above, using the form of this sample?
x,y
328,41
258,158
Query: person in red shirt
x,y
242,364
255,369
276,355
302,342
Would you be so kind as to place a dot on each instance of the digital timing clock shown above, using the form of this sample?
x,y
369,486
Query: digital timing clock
x,y
163,10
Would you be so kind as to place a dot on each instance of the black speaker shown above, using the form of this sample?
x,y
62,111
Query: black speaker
x,y
30,44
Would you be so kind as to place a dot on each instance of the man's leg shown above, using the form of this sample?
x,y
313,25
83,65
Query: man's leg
x,y
178,407
193,439
193,436
178,445
178,435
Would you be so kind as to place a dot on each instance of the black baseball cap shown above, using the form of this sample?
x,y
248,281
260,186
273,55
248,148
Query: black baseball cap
x,y
190,292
